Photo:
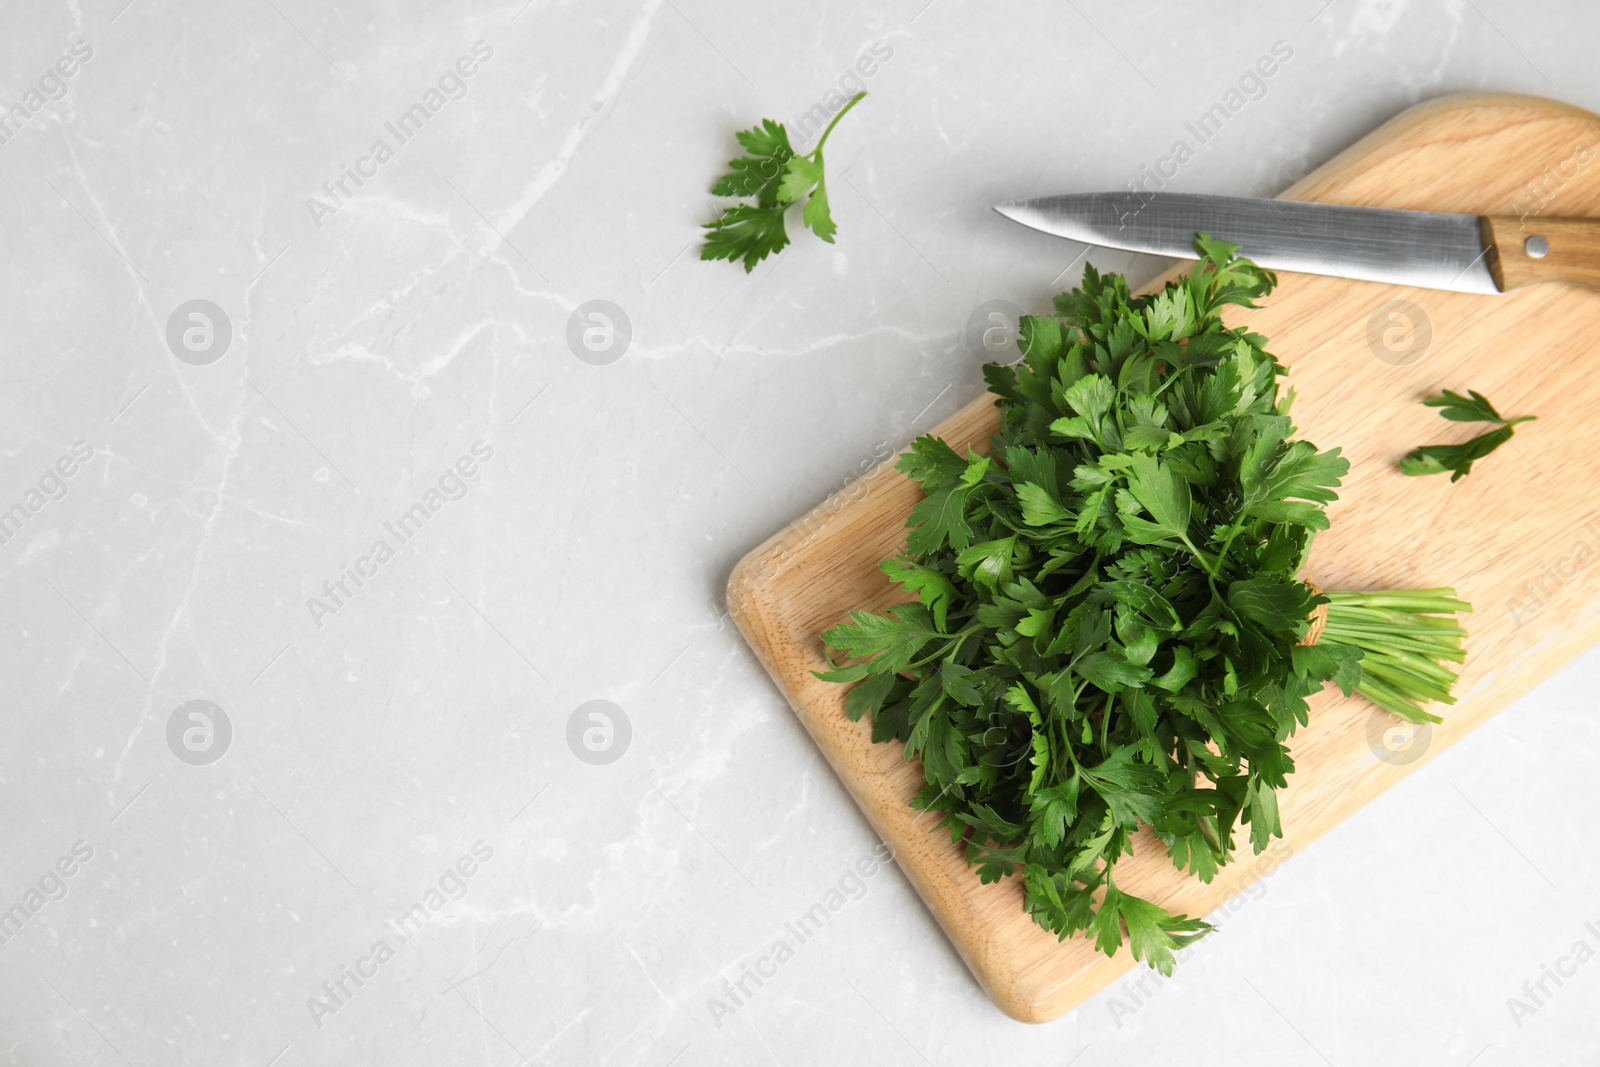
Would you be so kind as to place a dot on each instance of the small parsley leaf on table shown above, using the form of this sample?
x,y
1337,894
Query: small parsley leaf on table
x,y
1458,459
777,178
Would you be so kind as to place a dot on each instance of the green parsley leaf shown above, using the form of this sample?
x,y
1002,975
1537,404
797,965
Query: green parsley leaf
x,y
1163,494
777,178
935,590
1153,933
1474,407
745,233
1458,459
932,463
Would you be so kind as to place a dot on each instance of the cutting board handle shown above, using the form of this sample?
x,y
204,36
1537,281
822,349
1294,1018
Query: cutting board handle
x,y
1524,251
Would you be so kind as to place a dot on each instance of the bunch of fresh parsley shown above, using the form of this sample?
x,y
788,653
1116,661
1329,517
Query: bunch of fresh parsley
x,y
1108,619
776,178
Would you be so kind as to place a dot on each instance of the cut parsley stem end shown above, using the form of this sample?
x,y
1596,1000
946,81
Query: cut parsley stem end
x,y
1406,637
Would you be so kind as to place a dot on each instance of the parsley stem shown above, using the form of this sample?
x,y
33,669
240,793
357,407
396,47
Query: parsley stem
x,y
1201,556
1209,832
1405,638
1172,376
952,645
1227,542
854,100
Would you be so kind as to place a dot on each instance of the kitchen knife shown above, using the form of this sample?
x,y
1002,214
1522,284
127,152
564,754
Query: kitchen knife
x,y
1434,250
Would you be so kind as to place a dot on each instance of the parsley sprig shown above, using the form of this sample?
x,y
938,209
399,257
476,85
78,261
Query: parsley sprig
x,y
1458,459
776,178
1108,615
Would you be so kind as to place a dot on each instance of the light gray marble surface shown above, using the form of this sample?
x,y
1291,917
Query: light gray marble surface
x,y
399,768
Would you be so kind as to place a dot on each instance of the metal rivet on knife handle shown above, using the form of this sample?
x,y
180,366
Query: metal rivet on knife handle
x,y
1564,250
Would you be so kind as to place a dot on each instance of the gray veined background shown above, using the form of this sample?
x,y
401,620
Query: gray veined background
x,y
407,765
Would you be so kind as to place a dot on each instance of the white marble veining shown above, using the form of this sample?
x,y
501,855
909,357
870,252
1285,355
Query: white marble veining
x,y
409,851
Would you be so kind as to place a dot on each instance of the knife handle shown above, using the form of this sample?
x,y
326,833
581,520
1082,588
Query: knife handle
x,y
1521,252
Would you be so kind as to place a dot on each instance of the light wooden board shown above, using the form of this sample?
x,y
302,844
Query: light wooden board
x,y
1522,530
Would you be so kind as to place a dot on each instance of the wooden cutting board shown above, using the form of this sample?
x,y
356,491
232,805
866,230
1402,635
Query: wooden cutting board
x,y
1519,538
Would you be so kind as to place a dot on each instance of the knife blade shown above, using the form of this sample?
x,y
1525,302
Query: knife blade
x,y
1430,249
